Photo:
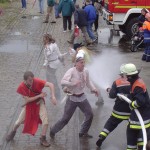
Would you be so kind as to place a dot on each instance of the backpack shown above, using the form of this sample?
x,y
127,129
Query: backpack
x,y
50,2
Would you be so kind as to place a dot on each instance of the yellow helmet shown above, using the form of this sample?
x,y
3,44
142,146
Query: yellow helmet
x,y
129,69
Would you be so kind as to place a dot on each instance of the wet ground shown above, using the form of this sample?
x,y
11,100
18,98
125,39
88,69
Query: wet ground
x,y
21,49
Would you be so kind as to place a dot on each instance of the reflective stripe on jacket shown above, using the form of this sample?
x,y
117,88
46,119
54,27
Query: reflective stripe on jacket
x,y
121,109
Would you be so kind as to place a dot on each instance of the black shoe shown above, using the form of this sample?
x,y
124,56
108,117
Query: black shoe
x,y
85,135
52,135
100,140
45,21
24,17
53,21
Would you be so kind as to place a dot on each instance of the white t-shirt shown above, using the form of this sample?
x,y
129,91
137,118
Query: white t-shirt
x,y
51,53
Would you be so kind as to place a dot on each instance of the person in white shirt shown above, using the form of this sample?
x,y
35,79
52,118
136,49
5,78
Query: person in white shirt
x,y
76,79
53,59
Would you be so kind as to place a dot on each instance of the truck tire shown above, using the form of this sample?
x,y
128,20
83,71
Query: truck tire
x,y
122,28
132,27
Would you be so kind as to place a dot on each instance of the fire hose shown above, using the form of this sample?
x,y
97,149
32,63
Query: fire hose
x,y
140,119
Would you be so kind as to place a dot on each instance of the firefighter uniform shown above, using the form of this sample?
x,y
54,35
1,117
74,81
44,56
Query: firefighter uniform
x,y
146,28
140,100
121,110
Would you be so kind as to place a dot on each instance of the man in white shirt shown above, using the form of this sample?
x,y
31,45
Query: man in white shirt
x,y
75,79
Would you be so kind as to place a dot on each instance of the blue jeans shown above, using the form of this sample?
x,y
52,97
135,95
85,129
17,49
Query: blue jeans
x,y
89,29
24,4
41,6
56,10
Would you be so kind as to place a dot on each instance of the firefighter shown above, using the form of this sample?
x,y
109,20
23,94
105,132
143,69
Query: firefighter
x,y
146,28
121,110
140,100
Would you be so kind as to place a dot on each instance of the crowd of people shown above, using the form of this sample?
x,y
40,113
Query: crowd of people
x,y
77,78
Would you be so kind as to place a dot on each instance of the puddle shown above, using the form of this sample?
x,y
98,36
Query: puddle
x,y
16,46
21,33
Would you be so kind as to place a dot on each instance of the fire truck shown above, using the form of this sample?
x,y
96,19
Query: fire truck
x,y
124,14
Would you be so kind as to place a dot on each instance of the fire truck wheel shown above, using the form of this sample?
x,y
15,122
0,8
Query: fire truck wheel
x,y
122,28
132,27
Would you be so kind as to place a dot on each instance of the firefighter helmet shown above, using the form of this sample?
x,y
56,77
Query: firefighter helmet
x,y
130,69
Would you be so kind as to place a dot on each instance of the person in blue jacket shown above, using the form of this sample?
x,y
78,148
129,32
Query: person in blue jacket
x,y
91,17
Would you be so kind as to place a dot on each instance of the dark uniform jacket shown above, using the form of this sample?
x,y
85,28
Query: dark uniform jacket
x,y
140,97
121,108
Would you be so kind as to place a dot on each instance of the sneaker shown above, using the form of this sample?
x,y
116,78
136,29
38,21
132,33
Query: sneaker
x,y
85,135
100,140
44,142
65,31
10,136
52,135
24,17
95,40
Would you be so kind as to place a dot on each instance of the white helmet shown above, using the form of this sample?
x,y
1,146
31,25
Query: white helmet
x,y
129,69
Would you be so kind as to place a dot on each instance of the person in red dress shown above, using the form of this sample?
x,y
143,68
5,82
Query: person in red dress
x,y
34,110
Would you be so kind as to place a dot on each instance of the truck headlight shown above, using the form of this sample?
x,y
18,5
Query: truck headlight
x,y
110,17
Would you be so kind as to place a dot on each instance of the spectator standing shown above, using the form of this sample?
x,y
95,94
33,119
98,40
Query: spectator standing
x,y
146,28
56,9
50,11
41,6
91,17
67,9
97,6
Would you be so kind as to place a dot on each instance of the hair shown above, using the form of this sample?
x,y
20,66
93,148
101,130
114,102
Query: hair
x,y
28,74
88,1
90,53
49,38
144,9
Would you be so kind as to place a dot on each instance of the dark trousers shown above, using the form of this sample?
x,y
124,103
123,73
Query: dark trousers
x,y
24,5
110,125
65,20
69,110
135,137
96,22
146,55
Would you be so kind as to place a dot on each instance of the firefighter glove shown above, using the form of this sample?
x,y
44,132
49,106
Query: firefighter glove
x,y
133,105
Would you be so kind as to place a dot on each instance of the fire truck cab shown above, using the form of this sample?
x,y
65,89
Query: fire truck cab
x,y
124,13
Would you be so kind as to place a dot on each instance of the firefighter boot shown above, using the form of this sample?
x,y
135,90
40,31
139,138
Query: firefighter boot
x,y
100,140
148,145
44,142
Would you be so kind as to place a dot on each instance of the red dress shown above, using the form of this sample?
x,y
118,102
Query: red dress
x,y
32,118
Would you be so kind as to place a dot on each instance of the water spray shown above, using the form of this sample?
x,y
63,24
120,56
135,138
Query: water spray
x,y
140,119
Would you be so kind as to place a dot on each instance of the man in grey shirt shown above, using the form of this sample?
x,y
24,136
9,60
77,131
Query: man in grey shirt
x,y
76,79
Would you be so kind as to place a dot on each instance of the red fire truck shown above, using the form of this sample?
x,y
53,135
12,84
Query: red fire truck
x,y
124,13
